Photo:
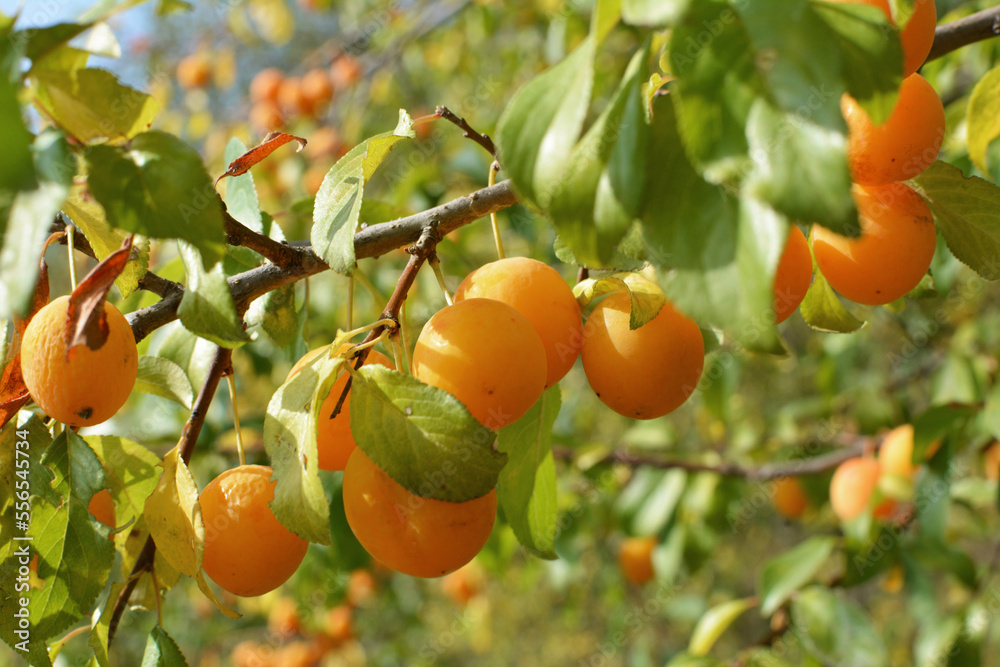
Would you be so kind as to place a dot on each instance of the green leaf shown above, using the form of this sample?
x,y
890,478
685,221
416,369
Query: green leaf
x,y
338,202
88,215
39,42
967,211
98,638
800,168
871,55
541,124
822,310
595,201
606,15
714,622
630,254
836,631
290,439
937,423
174,516
31,438
191,353
983,118
527,486
784,575
711,57
162,377
31,213
646,298
132,474
207,308
91,104
653,13
802,71
935,640
158,186
74,552
657,508
241,195
162,650
718,255
422,436
939,557
349,554
17,167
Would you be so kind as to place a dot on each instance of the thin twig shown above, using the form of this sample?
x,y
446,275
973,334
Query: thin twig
x,y
239,234
974,28
221,363
480,138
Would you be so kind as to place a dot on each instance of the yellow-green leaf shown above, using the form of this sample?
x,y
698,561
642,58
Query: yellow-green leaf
x,y
174,516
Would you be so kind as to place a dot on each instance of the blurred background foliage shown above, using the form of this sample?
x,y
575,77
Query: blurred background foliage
x,y
713,532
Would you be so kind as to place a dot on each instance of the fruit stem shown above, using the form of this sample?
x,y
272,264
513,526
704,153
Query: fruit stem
x,y
397,353
404,338
350,301
57,646
70,235
231,380
382,322
367,284
492,179
419,253
367,344
436,265
156,594
305,312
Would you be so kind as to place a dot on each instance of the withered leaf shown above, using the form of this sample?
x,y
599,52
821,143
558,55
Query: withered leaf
x,y
256,154
85,321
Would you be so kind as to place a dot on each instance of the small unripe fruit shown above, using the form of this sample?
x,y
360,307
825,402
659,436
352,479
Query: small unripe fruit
x,y
265,84
789,499
193,72
635,558
853,486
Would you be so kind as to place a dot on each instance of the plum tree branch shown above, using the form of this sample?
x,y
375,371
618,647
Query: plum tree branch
x,y
969,30
769,471
221,364
149,282
301,262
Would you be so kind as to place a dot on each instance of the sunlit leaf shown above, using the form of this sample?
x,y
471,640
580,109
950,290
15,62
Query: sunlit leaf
x,y
527,486
422,436
174,516
787,573
967,211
